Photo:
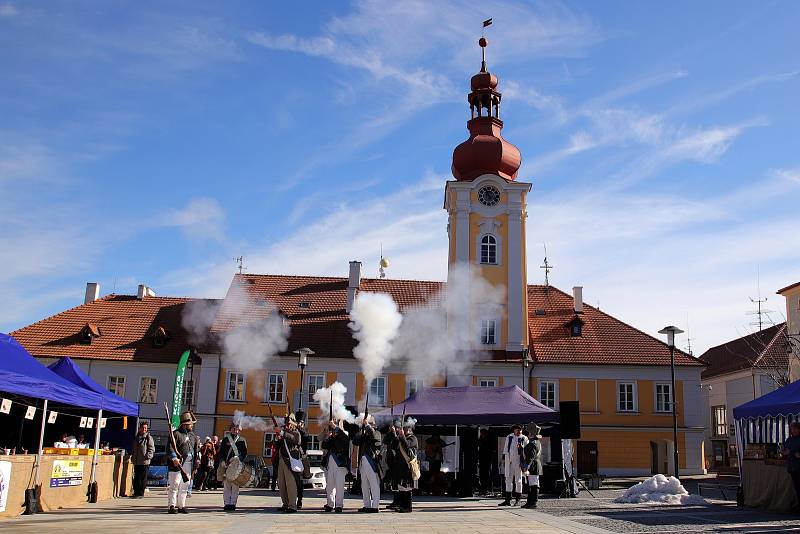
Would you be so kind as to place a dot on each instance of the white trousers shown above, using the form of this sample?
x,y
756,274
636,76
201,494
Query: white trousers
x,y
177,489
334,484
230,493
513,473
533,480
370,486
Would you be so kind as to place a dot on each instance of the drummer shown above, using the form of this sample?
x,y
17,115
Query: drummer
x,y
232,454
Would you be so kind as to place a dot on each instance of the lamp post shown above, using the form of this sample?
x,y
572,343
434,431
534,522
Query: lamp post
x,y
526,362
670,331
302,361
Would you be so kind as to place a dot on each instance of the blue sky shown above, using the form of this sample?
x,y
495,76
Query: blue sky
x,y
154,142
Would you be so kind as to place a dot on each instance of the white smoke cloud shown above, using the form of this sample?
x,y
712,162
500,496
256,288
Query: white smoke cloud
x,y
335,393
441,335
251,422
253,331
375,320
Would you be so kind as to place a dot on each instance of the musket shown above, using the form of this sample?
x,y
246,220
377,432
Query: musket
x,y
330,417
184,476
363,424
274,421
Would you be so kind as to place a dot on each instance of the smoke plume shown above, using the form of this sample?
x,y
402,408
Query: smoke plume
x,y
375,320
248,330
323,397
250,422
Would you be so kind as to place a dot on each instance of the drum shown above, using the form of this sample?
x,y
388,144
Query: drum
x,y
238,473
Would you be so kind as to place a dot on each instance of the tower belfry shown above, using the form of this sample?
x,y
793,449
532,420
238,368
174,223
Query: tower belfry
x,y
487,211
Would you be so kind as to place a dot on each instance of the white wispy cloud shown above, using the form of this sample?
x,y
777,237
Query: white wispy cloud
x,y
7,9
202,219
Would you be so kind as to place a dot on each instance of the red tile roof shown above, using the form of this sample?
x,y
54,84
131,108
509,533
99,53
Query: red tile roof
x,y
313,305
764,349
126,325
787,288
603,339
322,325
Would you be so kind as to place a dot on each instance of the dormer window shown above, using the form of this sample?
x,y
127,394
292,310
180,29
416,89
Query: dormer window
x,y
87,333
160,337
305,304
575,327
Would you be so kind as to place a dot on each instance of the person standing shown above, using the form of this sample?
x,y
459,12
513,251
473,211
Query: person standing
x,y
337,464
143,450
513,462
404,444
300,416
388,461
487,452
368,440
791,449
232,452
288,444
186,456
532,454
275,459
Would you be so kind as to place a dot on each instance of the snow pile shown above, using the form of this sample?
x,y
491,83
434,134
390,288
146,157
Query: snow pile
x,y
659,489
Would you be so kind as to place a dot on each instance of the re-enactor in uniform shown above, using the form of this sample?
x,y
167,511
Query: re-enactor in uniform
x,y
368,441
404,445
187,456
513,463
232,453
532,454
337,464
288,444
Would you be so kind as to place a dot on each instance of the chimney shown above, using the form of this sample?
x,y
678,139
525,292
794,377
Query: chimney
x,y
92,292
577,297
145,291
353,284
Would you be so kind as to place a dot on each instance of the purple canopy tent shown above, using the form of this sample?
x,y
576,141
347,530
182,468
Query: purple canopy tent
x,y
471,406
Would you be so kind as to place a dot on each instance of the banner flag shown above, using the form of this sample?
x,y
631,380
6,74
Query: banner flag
x,y
5,406
177,395
51,418
30,413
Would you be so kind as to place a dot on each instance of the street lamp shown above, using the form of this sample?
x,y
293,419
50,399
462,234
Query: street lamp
x,y
302,361
671,331
526,362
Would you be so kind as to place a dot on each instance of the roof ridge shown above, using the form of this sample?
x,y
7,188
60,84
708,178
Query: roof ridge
x,y
315,276
768,346
743,337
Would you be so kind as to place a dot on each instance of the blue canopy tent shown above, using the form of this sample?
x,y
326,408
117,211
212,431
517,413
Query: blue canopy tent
x,y
767,418
66,368
22,374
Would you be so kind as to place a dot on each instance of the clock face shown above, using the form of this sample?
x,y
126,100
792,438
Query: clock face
x,y
488,195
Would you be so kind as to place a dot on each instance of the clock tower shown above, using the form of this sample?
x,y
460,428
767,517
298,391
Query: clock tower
x,y
486,217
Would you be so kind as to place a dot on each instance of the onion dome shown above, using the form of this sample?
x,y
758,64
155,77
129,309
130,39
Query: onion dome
x,y
485,152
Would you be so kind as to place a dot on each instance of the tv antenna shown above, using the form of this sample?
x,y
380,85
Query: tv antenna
x,y
547,267
240,264
760,311
688,337
382,265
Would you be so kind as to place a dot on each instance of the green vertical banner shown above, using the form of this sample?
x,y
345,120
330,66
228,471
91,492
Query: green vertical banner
x,y
177,395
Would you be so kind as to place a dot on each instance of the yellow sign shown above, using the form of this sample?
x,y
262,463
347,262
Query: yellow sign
x,y
66,473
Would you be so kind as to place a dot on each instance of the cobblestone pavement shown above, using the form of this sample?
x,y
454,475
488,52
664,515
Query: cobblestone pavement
x,y
256,514
716,516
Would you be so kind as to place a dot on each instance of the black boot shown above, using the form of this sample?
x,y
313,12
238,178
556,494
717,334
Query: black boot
x,y
393,504
533,497
404,502
507,499
516,498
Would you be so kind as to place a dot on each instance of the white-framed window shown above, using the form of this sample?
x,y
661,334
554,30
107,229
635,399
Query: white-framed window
x,y
315,382
276,388
488,332
414,385
148,390
487,382
489,250
313,443
234,386
664,398
116,385
269,437
377,391
720,424
626,397
548,393
187,397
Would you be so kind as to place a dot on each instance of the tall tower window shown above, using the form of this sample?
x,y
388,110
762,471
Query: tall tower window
x,y
489,250
488,332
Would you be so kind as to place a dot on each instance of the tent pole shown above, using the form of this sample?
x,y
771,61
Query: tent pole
x,y
41,443
458,456
92,482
